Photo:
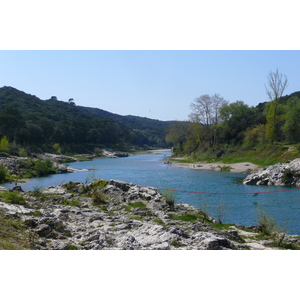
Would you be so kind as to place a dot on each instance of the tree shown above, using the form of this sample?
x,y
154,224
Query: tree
x,y
4,144
291,126
71,101
206,111
277,83
236,117
177,133
11,121
254,136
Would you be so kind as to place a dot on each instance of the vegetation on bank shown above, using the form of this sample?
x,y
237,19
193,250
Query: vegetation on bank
x,y
262,156
27,168
226,132
32,125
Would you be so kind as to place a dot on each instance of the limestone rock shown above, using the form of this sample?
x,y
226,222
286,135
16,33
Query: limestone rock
x,y
281,174
130,217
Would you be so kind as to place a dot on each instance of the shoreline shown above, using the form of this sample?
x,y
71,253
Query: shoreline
x,y
243,167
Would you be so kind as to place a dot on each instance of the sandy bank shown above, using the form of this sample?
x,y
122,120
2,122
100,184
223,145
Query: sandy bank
x,y
159,150
244,167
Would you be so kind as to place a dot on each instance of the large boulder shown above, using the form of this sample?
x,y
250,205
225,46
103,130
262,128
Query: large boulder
x,y
281,174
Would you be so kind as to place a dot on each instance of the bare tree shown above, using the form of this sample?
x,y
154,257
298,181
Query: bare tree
x,y
277,83
206,111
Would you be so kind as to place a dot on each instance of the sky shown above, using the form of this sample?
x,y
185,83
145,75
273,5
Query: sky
x,y
158,84
148,58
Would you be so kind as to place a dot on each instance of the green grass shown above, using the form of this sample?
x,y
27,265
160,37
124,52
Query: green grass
x,y
136,218
13,198
134,205
71,202
263,156
13,234
177,244
158,221
185,218
72,247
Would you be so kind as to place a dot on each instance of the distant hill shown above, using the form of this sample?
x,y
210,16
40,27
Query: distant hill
x,y
40,124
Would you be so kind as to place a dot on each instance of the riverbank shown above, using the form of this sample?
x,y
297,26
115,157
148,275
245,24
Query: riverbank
x,y
21,169
244,167
115,215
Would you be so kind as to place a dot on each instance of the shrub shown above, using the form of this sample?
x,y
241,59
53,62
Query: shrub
x,y
43,168
221,211
13,198
267,226
170,197
4,144
22,152
3,173
98,197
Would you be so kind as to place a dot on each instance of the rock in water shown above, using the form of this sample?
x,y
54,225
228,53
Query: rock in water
x,y
281,174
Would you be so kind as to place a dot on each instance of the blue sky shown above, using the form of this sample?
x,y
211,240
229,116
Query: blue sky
x,y
148,58
158,84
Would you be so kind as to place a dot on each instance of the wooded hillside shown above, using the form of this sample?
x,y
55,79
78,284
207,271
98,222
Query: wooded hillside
x,y
53,125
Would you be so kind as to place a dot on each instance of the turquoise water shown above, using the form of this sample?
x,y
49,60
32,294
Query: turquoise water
x,y
149,170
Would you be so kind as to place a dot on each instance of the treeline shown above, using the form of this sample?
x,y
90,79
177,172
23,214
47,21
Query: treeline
x,y
51,125
218,126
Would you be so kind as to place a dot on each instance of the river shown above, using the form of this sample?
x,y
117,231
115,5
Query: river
x,y
150,170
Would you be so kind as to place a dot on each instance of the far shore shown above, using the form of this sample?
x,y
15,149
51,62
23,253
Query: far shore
x,y
243,167
160,150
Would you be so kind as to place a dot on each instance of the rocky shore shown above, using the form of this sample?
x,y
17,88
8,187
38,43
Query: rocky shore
x,y
116,215
281,174
15,164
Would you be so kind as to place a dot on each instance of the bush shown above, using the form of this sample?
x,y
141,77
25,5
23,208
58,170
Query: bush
x,y
3,173
4,144
43,168
98,197
13,198
170,197
22,152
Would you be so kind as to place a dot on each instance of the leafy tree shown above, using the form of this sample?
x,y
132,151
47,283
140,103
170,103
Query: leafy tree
x,y
254,136
4,144
275,118
237,117
291,126
10,122
177,133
